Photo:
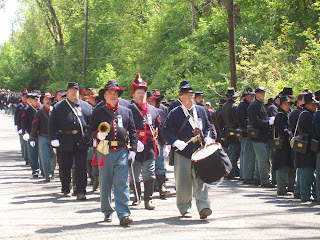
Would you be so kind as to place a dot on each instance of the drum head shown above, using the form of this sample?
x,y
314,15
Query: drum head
x,y
205,152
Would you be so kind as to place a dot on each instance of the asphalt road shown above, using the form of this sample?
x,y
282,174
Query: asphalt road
x,y
33,209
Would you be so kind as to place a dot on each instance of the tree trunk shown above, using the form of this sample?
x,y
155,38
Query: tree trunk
x,y
228,4
232,53
85,45
193,16
49,4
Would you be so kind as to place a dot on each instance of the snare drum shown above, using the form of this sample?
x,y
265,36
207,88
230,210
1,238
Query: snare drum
x,y
211,162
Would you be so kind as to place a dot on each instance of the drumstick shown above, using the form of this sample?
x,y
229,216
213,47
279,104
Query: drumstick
x,y
205,146
193,139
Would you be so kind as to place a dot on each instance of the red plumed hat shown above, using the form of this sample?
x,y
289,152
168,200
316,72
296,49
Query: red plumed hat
x,y
138,83
25,92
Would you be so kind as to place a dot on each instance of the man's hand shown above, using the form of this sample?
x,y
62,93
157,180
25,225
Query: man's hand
x,y
131,157
55,143
271,120
166,150
140,146
101,136
180,144
26,136
32,143
208,140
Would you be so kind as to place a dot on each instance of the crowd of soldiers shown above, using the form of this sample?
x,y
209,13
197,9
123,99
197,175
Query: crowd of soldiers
x,y
119,144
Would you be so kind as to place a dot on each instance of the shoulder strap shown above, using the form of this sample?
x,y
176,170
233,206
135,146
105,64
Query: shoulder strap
x,y
153,132
295,131
44,114
75,113
109,112
182,126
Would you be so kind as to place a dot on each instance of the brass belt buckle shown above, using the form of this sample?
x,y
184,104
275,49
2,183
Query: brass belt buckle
x,y
113,143
74,131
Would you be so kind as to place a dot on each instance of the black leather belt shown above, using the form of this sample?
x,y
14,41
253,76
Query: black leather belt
x,y
43,135
115,143
68,131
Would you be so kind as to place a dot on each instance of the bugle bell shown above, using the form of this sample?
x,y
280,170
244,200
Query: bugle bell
x,y
104,127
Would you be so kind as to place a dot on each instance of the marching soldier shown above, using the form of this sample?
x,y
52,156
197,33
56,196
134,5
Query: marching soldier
x,y
160,169
283,163
67,124
179,127
247,156
229,111
199,99
113,156
146,119
159,98
17,122
260,121
220,125
40,133
316,136
26,123
306,163
293,120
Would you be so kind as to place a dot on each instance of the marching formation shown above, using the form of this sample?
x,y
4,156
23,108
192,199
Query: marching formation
x,y
121,146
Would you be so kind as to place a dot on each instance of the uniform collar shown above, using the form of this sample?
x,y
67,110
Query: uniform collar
x,y
112,108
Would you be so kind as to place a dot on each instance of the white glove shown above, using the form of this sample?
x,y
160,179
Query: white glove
x,y
26,137
132,156
54,150
140,146
32,143
166,150
101,136
16,127
271,120
180,144
20,131
208,140
55,143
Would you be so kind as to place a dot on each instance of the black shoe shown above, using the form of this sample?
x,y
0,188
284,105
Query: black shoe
x,y
256,182
67,194
27,163
149,205
81,196
204,213
35,175
248,181
297,196
283,193
125,221
95,184
108,218
268,185
47,179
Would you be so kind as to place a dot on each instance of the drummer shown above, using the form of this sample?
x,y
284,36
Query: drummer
x,y
177,130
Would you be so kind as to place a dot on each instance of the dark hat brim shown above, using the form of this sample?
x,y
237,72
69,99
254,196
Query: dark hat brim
x,y
43,96
102,91
312,101
235,95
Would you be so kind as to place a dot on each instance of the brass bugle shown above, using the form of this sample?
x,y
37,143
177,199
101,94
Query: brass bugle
x,y
104,127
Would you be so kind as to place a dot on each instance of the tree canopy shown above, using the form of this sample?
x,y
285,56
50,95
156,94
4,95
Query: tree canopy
x,y
167,41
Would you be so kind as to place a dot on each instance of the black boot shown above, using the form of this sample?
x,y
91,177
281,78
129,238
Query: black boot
x,y
95,184
148,191
161,189
137,199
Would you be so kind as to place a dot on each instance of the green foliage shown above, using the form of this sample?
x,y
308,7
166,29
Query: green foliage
x,y
277,45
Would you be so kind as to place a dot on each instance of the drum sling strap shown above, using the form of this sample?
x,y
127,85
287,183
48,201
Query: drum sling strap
x,y
75,113
152,133
171,154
